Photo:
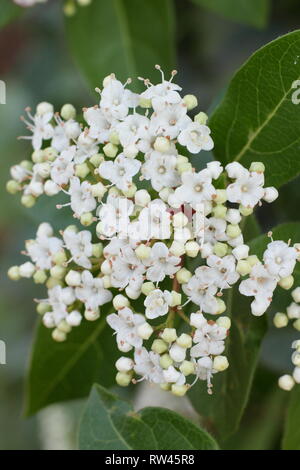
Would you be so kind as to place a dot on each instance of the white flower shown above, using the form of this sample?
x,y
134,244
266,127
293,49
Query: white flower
x,y
132,129
205,371
42,249
170,121
196,137
155,221
59,298
163,94
40,127
116,100
247,189
100,127
201,291
127,268
91,291
120,172
171,375
19,173
280,258
260,282
224,270
215,230
157,303
125,323
209,339
114,216
82,199
161,170
86,147
147,365
163,263
62,168
80,246
195,188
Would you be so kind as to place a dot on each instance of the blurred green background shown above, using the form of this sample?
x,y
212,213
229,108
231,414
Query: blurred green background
x,y
36,65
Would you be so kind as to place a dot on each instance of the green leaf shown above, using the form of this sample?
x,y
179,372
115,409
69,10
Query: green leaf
x,y
124,37
8,12
252,12
109,423
65,371
291,438
224,409
257,120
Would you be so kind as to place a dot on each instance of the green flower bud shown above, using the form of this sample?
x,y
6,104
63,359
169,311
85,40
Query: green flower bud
x,y
28,200
159,346
123,378
280,320
286,282
220,249
59,336
201,118
40,277
87,219
245,211
179,390
187,368
243,267
59,257
183,276
190,101
147,287
14,273
97,159
219,211
82,170
169,335
43,308
258,167
110,150
233,230
13,187
58,271
68,112
184,340
97,250
144,103
165,361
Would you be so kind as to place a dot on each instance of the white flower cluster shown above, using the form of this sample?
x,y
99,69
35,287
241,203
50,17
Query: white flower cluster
x,y
281,320
69,5
156,217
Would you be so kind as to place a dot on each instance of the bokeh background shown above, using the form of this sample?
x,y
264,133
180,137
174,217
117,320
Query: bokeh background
x,y
36,65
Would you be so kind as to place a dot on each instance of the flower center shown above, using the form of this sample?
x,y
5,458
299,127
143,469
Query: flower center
x,y
198,188
161,170
278,260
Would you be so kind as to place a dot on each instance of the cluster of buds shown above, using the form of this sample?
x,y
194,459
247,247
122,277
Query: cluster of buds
x,y
70,6
282,320
163,241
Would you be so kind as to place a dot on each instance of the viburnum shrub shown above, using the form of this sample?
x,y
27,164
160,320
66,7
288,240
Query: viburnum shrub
x,y
149,229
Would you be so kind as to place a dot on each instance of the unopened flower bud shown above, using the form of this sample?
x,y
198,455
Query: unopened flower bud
x,y
221,196
74,318
176,299
219,211
241,252
252,260
42,308
177,248
201,118
190,101
68,112
184,340
143,251
221,306
183,276
28,201
92,315
177,353
286,382
159,346
233,230
97,250
97,159
184,167
87,219
293,311
286,282
220,363
258,167
124,364
243,267
106,282
162,145
132,293
180,220
38,156
26,269
187,368
40,276
44,108
296,294
110,150
245,211
64,326
13,187
58,272
165,361
224,322
98,190
106,267
296,324
123,379
52,282
144,103
220,249
120,301
192,249
296,375
280,320
14,273
169,335
59,336
142,198
179,390
144,330
147,287
271,194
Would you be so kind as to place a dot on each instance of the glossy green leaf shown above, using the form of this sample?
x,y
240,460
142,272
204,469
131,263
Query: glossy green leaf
x,y
109,423
65,371
127,37
252,12
257,120
8,12
291,438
